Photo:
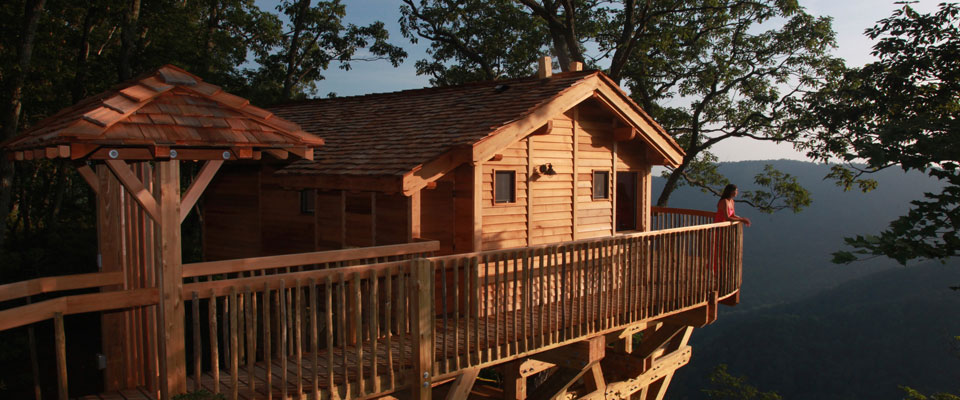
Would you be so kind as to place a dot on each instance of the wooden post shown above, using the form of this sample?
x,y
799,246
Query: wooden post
x,y
478,207
421,320
413,216
173,371
110,258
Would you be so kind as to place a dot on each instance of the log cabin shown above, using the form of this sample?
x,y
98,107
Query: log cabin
x,y
483,166
537,189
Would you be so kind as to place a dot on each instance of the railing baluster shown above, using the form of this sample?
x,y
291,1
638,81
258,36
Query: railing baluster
x,y
342,295
358,324
444,310
374,329
197,348
312,311
298,333
234,351
475,278
283,299
328,314
267,344
456,315
388,313
248,301
61,350
498,308
214,346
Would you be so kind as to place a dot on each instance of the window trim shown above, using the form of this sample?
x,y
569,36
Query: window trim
x,y
593,185
513,185
308,207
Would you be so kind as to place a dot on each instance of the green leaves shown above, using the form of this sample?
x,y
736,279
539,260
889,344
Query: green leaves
x,y
902,110
724,386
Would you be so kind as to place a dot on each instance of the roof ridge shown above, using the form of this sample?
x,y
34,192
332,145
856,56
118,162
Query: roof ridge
x,y
568,74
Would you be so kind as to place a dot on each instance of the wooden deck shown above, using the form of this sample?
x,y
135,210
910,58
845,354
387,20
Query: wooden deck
x,y
505,340
399,327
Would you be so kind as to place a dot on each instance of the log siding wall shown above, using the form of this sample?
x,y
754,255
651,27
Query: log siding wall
x,y
561,207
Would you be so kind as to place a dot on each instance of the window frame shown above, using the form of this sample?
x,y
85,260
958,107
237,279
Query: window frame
x,y
513,186
308,203
606,184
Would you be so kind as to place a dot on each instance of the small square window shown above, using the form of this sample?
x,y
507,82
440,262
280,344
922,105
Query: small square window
x,y
308,201
505,188
601,185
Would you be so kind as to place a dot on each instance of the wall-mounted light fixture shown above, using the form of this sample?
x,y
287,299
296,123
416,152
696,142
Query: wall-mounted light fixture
x,y
547,169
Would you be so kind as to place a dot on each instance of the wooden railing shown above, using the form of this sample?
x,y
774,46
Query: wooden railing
x,y
349,332
52,298
282,325
667,218
226,269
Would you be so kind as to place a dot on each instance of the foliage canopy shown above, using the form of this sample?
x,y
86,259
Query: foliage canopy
x,y
902,110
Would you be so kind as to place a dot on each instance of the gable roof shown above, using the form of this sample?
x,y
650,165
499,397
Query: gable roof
x,y
163,109
420,134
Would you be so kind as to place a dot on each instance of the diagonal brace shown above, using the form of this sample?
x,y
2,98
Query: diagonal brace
x,y
133,185
196,188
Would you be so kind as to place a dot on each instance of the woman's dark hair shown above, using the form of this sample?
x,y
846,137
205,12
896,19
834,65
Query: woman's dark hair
x,y
728,191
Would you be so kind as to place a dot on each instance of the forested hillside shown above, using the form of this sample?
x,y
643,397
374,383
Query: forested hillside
x,y
810,329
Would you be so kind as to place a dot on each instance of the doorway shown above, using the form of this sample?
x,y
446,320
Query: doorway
x,y
627,201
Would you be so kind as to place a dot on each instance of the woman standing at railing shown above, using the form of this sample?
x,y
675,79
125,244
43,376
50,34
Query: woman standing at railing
x,y
725,213
725,210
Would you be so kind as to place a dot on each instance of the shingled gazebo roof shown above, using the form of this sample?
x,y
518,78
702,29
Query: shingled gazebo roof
x,y
166,113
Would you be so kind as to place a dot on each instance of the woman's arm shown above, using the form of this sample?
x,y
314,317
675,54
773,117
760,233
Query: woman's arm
x,y
733,215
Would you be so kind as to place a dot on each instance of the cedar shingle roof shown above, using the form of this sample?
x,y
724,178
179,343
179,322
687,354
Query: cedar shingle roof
x,y
167,107
393,133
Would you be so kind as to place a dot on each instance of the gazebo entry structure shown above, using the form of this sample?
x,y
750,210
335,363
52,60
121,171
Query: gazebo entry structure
x,y
128,144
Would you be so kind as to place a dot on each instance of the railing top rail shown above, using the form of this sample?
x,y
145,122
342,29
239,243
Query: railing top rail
x,y
256,283
76,304
33,287
318,257
685,211
630,235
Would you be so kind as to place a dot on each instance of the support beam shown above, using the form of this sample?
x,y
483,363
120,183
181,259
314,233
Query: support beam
x,y
196,188
173,368
413,216
559,382
575,355
656,339
420,380
89,176
594,379
463,384
136,188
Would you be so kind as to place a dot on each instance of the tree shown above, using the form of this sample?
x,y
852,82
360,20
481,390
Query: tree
x,y
473,41
708,72
724,386
316,37
902,110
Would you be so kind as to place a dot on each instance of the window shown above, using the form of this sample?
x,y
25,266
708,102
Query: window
x,y
601,185
308,200
505,188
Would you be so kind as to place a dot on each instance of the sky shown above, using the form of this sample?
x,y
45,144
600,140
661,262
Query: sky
x,y
850,19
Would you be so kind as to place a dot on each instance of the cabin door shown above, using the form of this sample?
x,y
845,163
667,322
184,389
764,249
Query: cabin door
x,y
626,201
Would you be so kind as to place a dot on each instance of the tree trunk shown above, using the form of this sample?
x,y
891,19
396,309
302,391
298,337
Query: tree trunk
x,y
289,80
83,53
671,185
12,118
212,23
128,38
